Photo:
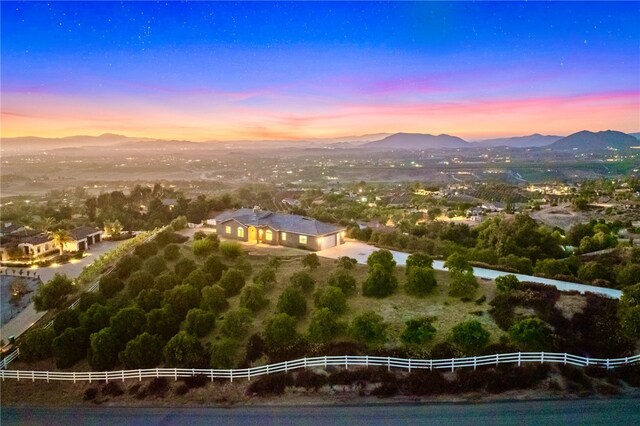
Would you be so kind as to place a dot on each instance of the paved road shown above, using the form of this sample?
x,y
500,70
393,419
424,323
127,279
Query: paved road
x,y
28,316
361,251
590,411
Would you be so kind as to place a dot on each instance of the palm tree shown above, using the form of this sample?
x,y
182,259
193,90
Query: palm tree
x,y
60,237
47,223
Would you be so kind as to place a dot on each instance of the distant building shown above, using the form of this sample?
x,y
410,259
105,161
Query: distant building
x,y
37,245
262,226
83,238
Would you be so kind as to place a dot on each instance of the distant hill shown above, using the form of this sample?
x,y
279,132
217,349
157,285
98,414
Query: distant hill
x,y
535,140
595,141
417,141
34,143
635,135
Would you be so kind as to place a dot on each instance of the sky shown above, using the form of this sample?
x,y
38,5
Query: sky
x,y
298,70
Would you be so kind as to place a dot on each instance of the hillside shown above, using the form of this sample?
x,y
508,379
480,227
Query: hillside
x,y
415,141
595,141
530,141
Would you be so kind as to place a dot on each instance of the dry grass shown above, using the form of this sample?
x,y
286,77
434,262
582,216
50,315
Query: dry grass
x,y
570,305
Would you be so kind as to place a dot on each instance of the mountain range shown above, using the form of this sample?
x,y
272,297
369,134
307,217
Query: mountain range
x,y
582,140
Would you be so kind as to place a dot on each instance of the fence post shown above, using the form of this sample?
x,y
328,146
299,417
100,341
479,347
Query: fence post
x,y
346,362
453,363
139,375
249,374
325,361
409,365
388,363
18,375
211,375
122,371
565,358
541,357
475,361
231,375
587,361
286,367
74,377
305,363
366,361
430,365
607,363
175,372
157,372
497,359
519,358
47,376
33,376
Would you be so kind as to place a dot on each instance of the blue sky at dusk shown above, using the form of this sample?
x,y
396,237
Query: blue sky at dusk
x,y
266,70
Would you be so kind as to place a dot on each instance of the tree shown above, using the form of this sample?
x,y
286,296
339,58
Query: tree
x,y
145,351
113,228
342,279
507,283
331,298
236,323
531,334
420,260
522,265
59,238
551,268
109,285
214,299
172,252
138,281
36,344
155,265
311,261
95,318
184,267
184,351
165,281
181,299
199,322
628,275
292,302
253,297
198,279
149,298
232,282
302,281
470,336
230,249
369,328
324,326
126,265
266,277
592,271
214,267
104,348
280,332
457,262
629,311
146,250
162,322
418,331
380,282
128,323
223,353
69,318
421,281
463,284
347,262
52,294
274,263
384,258
70,347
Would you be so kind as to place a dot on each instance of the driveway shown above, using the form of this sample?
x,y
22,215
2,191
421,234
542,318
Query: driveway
x,y
28,316
361,251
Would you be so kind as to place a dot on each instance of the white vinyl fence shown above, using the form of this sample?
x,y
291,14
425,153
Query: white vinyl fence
x,y
345,361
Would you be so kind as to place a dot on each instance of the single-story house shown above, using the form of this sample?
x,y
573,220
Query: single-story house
x,y
37,245
262,226
83,238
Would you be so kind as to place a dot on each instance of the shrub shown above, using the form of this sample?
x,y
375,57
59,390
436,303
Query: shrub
x,y
418,260
425,382
309,380
232,282
149,299
90,394
369,328
383,258
109,285
145,351
214,299
458,263
146,250
126,265
531,334
112,389
324,326
255,347
274,384
200,322
165,281
162,322
470,336
507,283
303,281
236,323
184,267
95,318
155,265
292,302
331,298
347,262
128,323
343,280
311,261
380,281
204,247
70,347
463,284
172,252
223,353
420,281
36,344
105,345
253,297
214,267
87,300
522,265
139,281
230,249
181,299
198,279
157,387
69,318
265,277
418,331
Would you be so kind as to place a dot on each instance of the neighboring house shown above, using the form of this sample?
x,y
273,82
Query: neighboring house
x,y
7,228
261,226
83,238
169,202
211,218
37,245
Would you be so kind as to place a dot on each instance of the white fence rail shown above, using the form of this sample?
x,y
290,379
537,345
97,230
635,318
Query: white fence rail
x,y
345,361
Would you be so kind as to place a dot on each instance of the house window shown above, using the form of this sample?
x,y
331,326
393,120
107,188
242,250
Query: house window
x,y
240,232
227,229
268,235
302,239
283,236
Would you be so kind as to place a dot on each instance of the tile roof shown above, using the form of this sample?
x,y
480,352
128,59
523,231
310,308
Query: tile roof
x,y
36,239
280,221
82,232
